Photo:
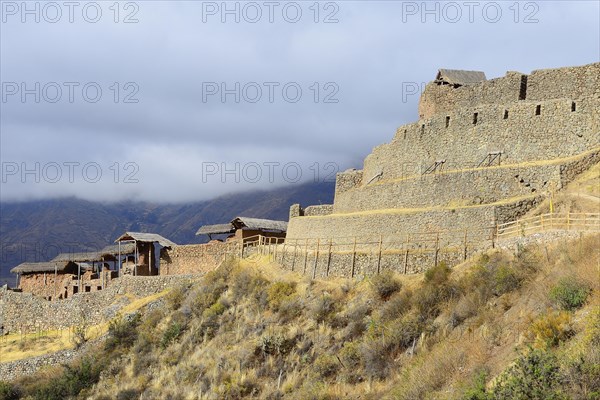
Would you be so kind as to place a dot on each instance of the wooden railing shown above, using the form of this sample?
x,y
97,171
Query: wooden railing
x,y
550,221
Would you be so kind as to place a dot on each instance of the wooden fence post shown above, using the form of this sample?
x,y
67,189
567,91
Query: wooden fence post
x,y
379,255
314,274
294,259
353,258
329,256
305,256
465,254
283,253
406,255
437,249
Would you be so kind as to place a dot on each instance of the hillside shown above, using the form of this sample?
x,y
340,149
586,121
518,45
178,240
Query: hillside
x,y
511,324
38,230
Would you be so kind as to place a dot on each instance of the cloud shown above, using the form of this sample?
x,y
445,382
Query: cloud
x,y
162,80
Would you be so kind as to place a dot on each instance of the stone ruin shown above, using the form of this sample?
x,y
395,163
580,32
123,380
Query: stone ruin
x,y
483,152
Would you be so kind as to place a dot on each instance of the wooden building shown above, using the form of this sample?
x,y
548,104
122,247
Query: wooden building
x,y
243,228
148,248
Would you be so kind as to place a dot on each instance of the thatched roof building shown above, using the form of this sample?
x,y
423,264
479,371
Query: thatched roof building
x,y
458,77
48,266
146,238
250,226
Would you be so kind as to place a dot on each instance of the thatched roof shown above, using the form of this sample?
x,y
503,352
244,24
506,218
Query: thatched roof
x,y
146,237
216,229
113,249
40,267
87,256
244,223
259,224
460,77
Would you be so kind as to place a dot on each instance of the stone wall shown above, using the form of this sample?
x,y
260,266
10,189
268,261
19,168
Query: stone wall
x,y
548,84
394,223
323,209
196,258
523,137
25,312
61,286
466,187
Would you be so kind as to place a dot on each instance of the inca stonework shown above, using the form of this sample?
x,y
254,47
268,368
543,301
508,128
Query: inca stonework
x,y
482,153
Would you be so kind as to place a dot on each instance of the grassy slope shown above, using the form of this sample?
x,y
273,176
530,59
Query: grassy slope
x,y
253,331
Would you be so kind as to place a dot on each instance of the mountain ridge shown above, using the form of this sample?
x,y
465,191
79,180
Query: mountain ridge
x,y
38,230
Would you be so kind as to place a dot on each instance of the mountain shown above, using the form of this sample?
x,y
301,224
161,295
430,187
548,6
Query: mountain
x,y
39,230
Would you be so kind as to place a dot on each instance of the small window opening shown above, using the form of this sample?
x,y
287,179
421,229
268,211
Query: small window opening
x,y
573,107
538,109
505,114
475,118
447,121
422,129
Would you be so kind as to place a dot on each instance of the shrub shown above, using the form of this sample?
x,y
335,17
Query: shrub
x,y
569,293
505,279
350,354
8,391
322,309
290,308
128,394
535,375
478,391
247,285
396,306
385,284
73,380
278,292
176,296
171,334
438,274
326,365
376,357
122,332
551,329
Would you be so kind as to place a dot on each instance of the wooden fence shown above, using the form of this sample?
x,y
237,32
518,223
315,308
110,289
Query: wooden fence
x,y
550,221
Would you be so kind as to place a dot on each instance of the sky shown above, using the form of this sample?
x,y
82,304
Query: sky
x,y
183,101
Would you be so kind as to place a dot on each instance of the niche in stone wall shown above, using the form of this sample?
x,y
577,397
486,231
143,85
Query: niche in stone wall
x,y
538,109
573,106
447,121
523,88
475,116
505,114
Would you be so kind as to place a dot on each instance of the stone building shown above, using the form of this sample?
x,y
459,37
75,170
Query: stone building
x,y
483,152
71,273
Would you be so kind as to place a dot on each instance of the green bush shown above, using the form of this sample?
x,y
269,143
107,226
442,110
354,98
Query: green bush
x,y
8,391
535,375
569,293
505,279
171,334
396,306
322,308
73,380
385,284
122,332
326,365
176,296
549,330
438,274
128,394
278,292
478,391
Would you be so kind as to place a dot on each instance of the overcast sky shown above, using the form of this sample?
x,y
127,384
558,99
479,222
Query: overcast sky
x,y
202,98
